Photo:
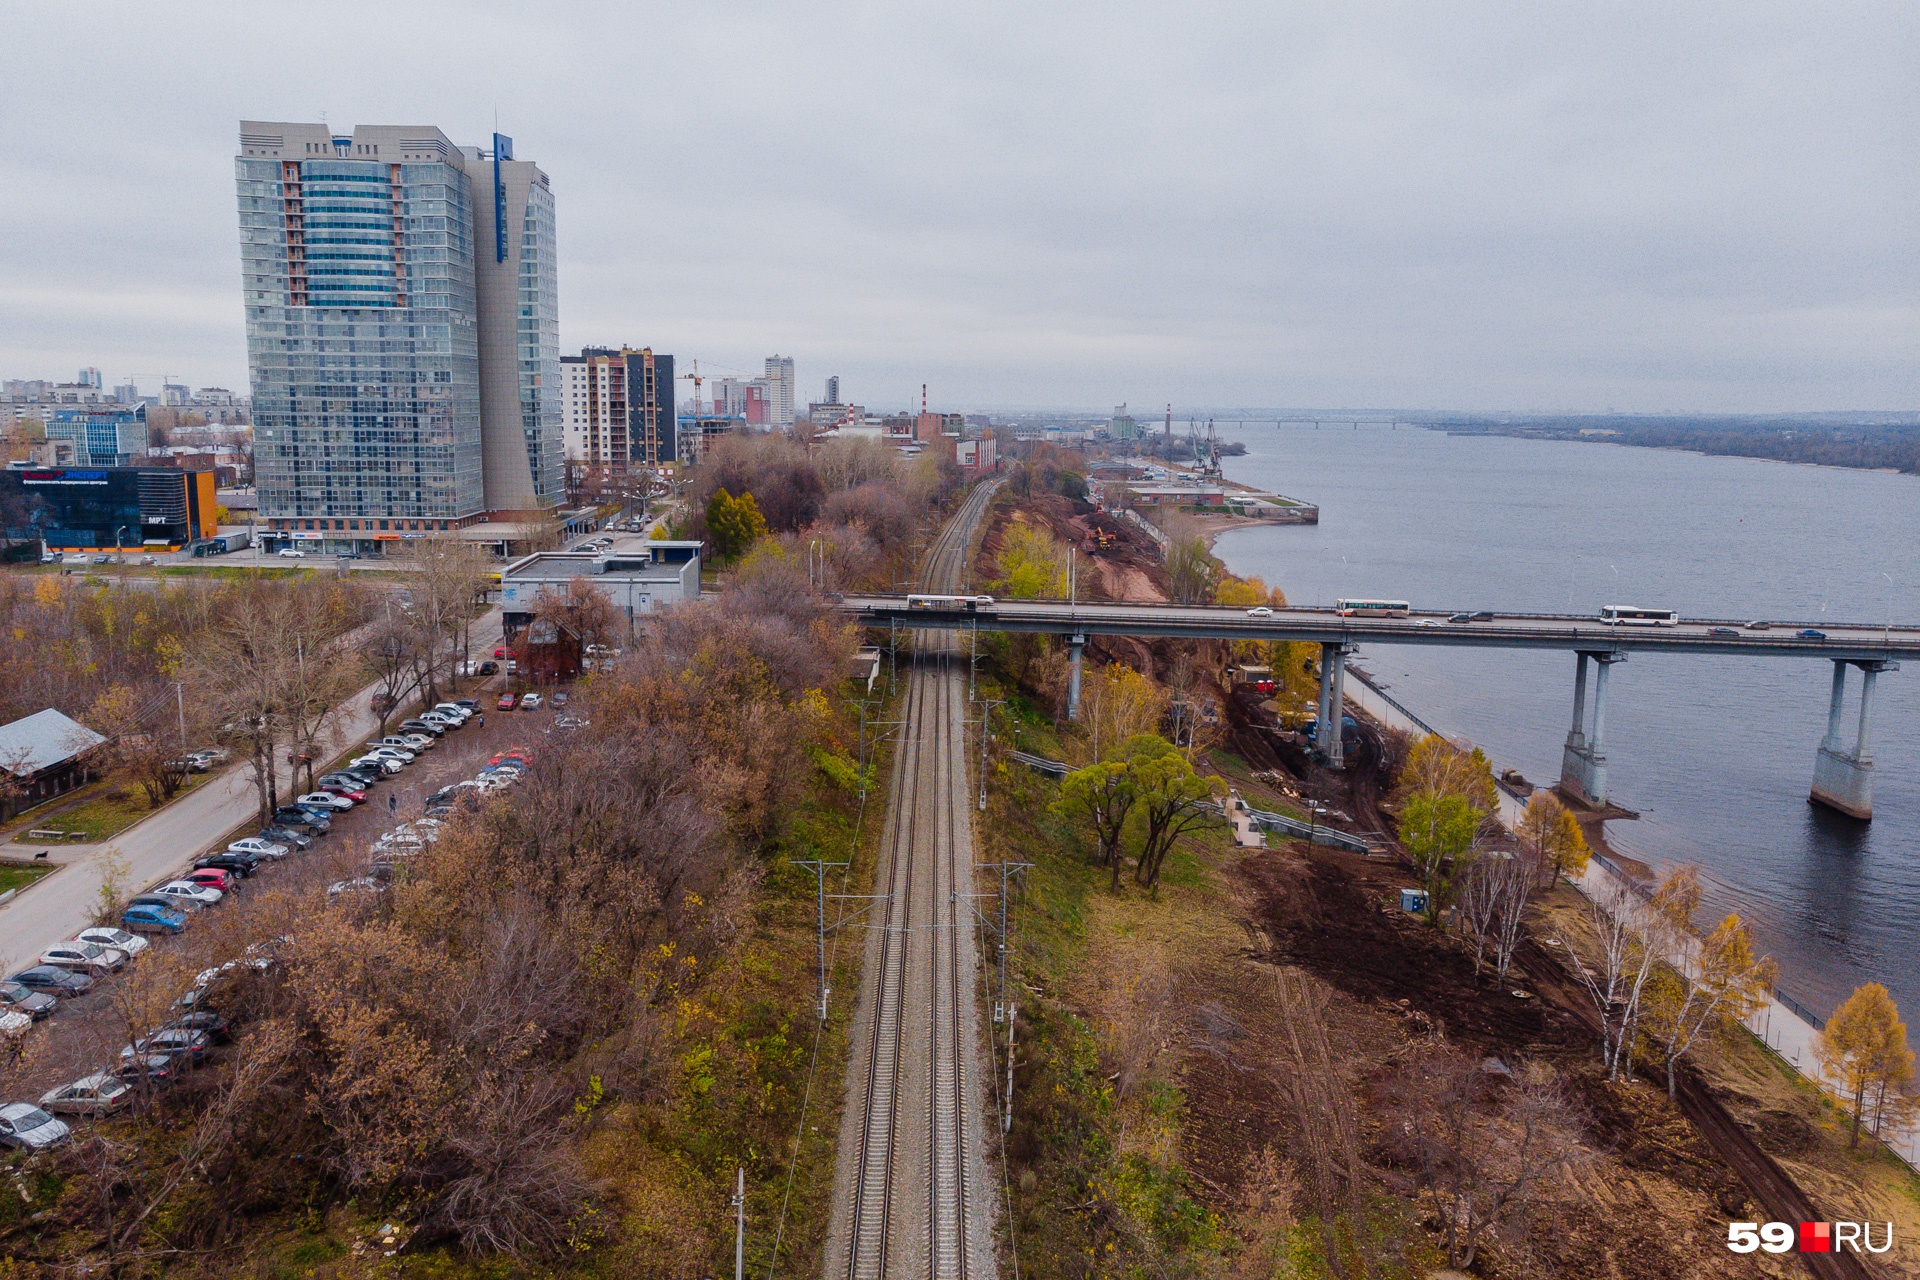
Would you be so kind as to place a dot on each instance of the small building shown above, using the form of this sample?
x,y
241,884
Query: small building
x,y
551,651
101,435
108,508
637,583
44,755
1178,495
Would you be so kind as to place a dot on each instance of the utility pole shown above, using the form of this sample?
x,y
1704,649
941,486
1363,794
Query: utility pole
x,y
986,726
180,704
740,1226
819,869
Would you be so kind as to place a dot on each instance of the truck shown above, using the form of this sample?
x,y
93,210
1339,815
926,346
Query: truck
x,y
220,544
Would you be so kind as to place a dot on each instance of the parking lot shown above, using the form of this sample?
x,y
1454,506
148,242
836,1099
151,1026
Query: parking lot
x,y
85,1033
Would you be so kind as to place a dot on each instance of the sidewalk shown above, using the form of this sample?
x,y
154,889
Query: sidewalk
x,y
160,846
1779,1027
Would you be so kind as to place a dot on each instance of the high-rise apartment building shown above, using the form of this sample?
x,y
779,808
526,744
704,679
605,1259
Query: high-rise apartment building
x,y
401,299
833,389
618,408
780,388
749,400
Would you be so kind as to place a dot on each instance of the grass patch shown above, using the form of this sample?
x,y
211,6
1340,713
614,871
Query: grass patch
x,y
19,877
116,806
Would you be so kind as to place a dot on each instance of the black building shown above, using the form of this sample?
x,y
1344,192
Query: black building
x,y
107,508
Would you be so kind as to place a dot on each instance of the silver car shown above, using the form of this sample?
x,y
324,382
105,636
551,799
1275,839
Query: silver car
x,y
95,1095
26,1126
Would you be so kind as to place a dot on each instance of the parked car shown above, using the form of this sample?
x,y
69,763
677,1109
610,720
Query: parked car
x,y
291,553
531,701
471,704
500,652
345,790
210,758
84,957
259,847
241,864
148,918
187,764
357,885
215,878
571,722
459,711
560,698
1810,633
218,1027
488,669
355,778
100,559
324,800
425,728
17,997
190,892
118,939
392,747
286,836
96,1095
54,981
166,902
150,1069
26,1126
506,702
301,819
385,764
419,742
179,1043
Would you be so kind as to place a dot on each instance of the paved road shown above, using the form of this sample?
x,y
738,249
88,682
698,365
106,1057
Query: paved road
x,y
914,1194
1850,641
156,848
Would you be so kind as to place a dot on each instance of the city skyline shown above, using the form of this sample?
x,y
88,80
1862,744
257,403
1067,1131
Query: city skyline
x,y
1470,210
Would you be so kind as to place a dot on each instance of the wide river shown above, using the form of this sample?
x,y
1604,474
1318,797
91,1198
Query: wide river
x,y
1716,754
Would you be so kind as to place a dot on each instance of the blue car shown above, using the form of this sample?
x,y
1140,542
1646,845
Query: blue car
x,y
146,918
1811,634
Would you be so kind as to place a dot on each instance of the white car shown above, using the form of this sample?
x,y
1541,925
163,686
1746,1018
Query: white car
x,y
454,711
359,884
391,751
259,847
441,720
529,702
84,957
24,1125
1426,622
196,893
291,553
1260,611
119,939
418,743
325,800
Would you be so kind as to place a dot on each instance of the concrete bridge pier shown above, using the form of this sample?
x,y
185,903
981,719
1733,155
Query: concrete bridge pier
x,y
1074,645
1843,779
1583,765
1333,704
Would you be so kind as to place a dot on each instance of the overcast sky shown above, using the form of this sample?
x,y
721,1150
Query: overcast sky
x,y
1528,206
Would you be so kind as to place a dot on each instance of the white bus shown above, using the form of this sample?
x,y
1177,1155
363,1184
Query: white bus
x,y
1372,608
1626,615
969,603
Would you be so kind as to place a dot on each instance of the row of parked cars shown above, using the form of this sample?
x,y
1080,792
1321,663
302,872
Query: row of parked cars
x,y
71,968
400,843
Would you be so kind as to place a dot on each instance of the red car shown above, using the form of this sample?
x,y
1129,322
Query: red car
x,y
506,702
214,878
500,652
516,754
347,793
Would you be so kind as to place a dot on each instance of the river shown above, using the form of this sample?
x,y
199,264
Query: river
x,y
1716,754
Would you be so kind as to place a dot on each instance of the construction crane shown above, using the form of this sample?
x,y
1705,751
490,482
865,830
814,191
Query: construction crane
x,y
695,375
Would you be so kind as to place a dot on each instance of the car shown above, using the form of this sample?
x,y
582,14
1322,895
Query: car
x,y
191,892
420,741
421,727
53,980
355,777
560,698
149,560
458,710
218,1027
1810,633
1759,624
357,885
529,702
506,702
261,847
1722,631
187,764
488,669
471,704
323,800
513,667
150,1069
26,1126
345,790
1482,615
395,743
518,755
500,652
210,757
571,722
84,957
101,558
165,902
1260,611
178,1043
286,836
99,1094
16,997
147,918
385,764
1425,622
291,553
302,819
118,939
241,864
216,878
1460,617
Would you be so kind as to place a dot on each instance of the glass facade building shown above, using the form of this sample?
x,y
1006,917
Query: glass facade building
x,y
101,437
362,260
107,508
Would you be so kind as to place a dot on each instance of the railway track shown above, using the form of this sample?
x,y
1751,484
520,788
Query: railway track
x,y
912,1198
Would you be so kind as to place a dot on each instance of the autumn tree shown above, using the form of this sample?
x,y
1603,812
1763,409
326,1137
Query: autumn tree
x,y
1863,1049
1033,564
1553,835
1191,569
733,524
1174,800
583,608
1724,983
1447,802
1632,936
1102,796
1118,703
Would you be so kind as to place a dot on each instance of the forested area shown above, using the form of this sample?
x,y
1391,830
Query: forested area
x,y
1891,446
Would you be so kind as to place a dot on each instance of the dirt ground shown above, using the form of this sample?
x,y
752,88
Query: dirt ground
x,y
85,1034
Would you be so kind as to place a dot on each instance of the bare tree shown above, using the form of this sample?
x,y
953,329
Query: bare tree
x,y
1631,937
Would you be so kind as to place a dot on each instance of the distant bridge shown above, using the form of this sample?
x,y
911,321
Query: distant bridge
x,y
1843,776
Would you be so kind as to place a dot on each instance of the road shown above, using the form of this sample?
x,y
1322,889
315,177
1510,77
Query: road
x,y
1858,642
156,848
914,1194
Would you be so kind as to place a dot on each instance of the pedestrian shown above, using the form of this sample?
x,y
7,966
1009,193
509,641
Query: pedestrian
x,y
393,803
480,720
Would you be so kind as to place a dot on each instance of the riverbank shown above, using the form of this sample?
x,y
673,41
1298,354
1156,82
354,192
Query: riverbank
x,y
1782,1024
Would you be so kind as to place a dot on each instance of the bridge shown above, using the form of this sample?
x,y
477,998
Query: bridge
x,y
1842,775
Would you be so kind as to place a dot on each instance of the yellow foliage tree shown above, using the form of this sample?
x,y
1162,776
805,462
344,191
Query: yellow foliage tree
x,y
1554,837
1033,565
1728,983
1436,766
1864,1048
1118,703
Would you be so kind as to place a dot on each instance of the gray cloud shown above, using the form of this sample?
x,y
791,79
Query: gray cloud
x,y
1501,205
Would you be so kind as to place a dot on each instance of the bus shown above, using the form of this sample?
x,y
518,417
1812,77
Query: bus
x,y
1372,608
1626,615
968,603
